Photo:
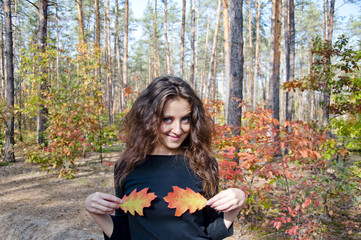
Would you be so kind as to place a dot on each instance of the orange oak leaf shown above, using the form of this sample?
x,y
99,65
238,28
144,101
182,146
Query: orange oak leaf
x,y
183,200
137,201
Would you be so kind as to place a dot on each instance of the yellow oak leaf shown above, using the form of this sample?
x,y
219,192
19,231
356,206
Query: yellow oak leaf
x,y
183,200
137,201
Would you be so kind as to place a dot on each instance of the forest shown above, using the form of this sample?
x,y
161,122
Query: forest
x,y
281,80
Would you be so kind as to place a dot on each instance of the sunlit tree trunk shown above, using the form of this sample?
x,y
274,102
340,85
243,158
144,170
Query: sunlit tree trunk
x,y
79,4
42,34
227,54
257,61
109,66
167,54
117,53
2,66
57,41
182,37
203,73
9,155
193,30
97,37
290,57
156,65
275,58
236,19
125,50
250,53
214,48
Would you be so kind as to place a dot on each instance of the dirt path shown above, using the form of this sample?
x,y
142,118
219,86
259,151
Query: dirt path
x,y
39,205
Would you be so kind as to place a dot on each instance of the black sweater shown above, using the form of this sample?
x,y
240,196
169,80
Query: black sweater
x,y
160,173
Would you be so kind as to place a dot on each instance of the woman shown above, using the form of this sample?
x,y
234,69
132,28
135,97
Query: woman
x,y
168,143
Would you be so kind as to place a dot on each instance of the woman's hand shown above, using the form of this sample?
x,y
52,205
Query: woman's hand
x,y
230,202
102,203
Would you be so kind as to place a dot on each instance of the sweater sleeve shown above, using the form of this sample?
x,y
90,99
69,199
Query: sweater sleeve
x,y
216,228
120,219
120,227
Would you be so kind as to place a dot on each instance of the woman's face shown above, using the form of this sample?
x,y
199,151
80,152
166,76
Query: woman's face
x,y
174,128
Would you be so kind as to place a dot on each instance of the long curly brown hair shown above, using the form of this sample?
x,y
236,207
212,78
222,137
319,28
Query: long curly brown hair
x,y
140,126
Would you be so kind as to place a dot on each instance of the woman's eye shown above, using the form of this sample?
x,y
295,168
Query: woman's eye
x,y
186,119
167,120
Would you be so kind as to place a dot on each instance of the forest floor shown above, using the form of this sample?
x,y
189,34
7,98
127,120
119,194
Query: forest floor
x,y
39,205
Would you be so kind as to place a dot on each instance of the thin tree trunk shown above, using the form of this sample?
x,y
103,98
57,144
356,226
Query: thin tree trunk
x,y
256,66
117,53
42,34
250,44
275,58
97,38
125,50
79,4
109,66
182,38
193,29
324,20
227,54
234,111
203,74
290,58
156,66
167,54
57,41
9,155
214,48
2,71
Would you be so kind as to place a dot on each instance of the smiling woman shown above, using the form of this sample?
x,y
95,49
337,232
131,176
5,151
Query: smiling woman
x,y
168,144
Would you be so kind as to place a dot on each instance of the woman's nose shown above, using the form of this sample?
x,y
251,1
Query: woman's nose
x,y
177,127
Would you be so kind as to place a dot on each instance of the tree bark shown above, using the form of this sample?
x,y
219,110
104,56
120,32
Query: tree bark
x,y
79,4
275,58
156,65
117,53
42,34
182,38
250,53
2,66
193,30
97,37
167,54
109,66
290,58
125,50
256,66
203,73
214,48
9,155
234,111
227,53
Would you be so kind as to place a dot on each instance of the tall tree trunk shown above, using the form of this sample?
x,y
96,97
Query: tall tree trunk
x,y
256,66
125,50
275,58
290,57
193,30
2,66
79,4
214,48
9,155
203,73
156,65
167,54
182,38
227,54
109,66
250,53
42,34
57,41
327,92
117,53
234,111
97,37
